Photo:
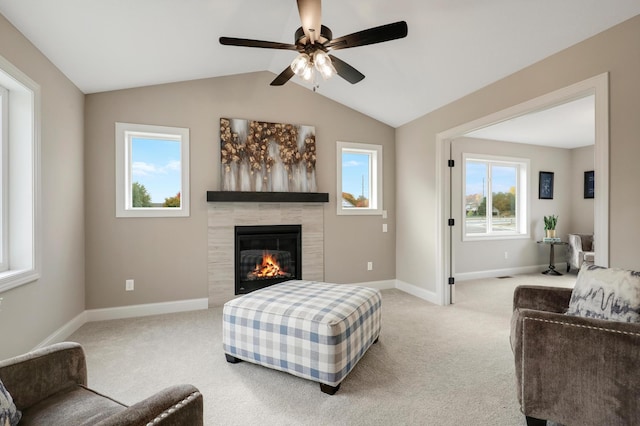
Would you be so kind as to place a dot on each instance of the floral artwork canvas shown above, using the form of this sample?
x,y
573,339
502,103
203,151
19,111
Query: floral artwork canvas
x,y
267,157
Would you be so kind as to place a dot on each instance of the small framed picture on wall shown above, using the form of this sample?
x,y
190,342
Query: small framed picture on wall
x,y
545,186
589,184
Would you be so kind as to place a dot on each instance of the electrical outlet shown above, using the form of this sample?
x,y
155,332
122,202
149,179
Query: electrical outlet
x,y
369,266
128,285
506,255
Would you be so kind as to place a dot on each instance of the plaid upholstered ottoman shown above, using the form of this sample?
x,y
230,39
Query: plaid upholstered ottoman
x,y
314,330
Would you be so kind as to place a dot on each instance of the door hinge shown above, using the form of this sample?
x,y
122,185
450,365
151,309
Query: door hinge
x,y
451,163
452,280
452,222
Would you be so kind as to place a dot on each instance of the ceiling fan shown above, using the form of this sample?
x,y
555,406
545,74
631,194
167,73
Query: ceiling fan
x,y
314,41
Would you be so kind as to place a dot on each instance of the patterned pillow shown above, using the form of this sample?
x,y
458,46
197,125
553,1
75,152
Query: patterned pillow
x,y
9,414
606,293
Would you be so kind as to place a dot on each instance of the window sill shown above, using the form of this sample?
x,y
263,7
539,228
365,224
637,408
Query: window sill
x,y
359,212
17,277
154,212
468,238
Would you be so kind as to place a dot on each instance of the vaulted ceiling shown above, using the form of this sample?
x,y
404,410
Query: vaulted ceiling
x,y
453,48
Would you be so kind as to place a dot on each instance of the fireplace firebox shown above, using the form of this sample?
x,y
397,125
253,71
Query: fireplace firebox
x,y
266,255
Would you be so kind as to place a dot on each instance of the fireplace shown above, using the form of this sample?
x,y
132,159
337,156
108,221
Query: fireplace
x,y
266,255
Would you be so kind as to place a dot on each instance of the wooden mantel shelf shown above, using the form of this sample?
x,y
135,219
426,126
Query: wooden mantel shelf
x,y
267,197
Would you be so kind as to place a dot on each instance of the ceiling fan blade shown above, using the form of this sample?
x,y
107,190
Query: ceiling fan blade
x,y
311,18
283,77
346,71
231,41
374,35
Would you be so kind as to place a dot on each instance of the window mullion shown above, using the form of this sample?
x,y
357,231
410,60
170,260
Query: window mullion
x,y
489,204
516,200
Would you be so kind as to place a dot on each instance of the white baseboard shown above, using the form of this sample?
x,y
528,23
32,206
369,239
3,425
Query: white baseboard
x,y
427,295
406,287
492,273
61,334
146,309
379,285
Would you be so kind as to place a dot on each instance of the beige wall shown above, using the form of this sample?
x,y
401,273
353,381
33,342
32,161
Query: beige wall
x,y
488,255
30,313
167,257
582,210
614,51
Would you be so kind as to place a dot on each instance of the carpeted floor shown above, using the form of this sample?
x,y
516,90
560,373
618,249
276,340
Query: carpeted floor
x,y
433,365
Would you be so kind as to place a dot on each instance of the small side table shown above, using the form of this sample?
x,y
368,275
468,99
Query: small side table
x,y
552,266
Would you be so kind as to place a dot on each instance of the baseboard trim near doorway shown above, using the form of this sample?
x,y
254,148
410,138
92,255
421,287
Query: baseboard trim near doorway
x,y
419,292
494,273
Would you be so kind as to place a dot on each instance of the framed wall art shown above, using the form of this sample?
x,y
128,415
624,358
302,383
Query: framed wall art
x,y
545,186
260,156
589,184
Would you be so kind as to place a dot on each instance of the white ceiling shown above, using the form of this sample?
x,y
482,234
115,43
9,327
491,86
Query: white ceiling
x,y
454,47
570,125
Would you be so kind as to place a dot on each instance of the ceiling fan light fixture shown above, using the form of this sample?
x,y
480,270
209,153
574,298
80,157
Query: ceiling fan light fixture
x,y
300,64
307,74
323,64
312,42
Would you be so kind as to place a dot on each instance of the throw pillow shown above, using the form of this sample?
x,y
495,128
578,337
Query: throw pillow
x,y
9,414
606,293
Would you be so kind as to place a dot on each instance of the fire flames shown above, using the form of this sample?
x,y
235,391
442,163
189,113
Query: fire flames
x,y
270,268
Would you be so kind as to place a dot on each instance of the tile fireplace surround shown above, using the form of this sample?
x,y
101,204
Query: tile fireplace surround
x,y
224,216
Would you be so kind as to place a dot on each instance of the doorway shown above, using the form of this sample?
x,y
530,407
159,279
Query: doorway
x,y
598,88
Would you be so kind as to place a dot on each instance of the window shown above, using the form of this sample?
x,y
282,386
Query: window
x,y
359,179
152,171
495,197
19,177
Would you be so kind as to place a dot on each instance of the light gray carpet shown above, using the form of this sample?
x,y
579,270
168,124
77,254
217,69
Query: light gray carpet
x,y
433,365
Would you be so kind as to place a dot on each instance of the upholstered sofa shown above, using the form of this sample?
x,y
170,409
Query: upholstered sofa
x,y
49,387
573,370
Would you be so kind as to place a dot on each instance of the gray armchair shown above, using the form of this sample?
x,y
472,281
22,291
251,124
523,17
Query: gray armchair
x,y
49,386
580,250
572,370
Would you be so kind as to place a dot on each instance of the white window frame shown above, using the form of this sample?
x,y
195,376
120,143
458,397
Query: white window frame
x,y
375,178
522,201
4,178
20,186
124,134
